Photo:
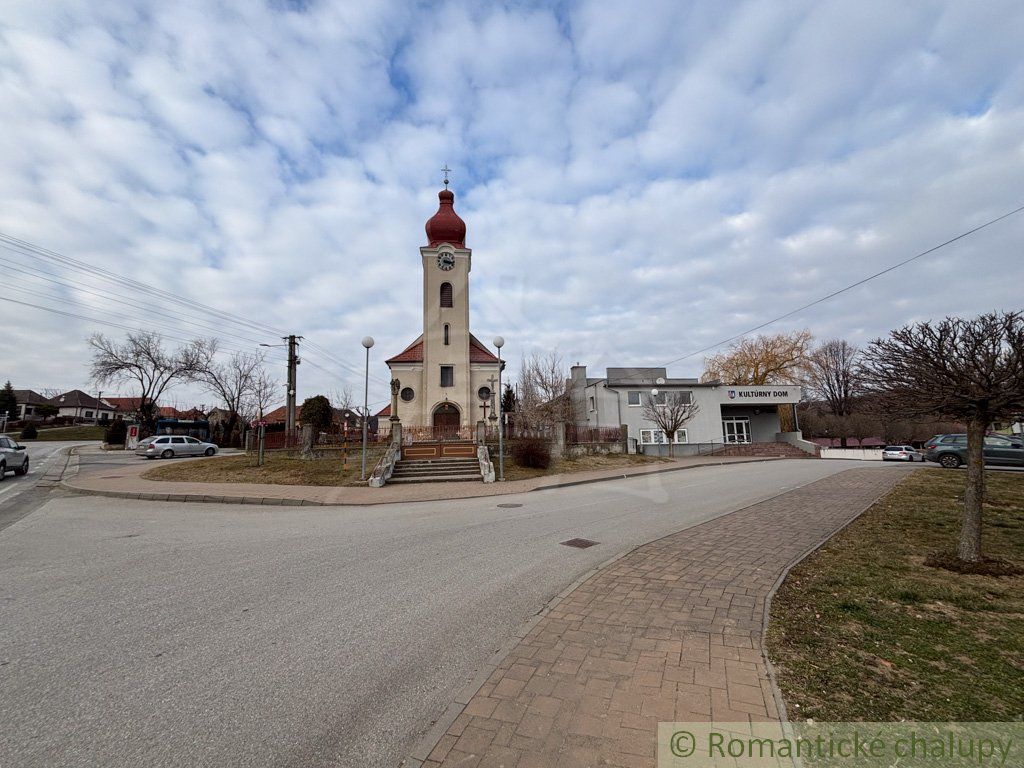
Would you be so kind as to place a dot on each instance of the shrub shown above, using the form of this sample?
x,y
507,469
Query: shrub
x,y
532,452
317,413
29,433
116,433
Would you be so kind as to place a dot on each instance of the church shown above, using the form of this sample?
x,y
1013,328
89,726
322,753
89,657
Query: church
x,y
446,375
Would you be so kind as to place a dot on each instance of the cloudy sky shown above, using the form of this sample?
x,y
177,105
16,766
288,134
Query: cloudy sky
x,y
640,180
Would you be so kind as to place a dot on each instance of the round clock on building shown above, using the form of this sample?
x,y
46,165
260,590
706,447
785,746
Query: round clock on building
x,y
446,261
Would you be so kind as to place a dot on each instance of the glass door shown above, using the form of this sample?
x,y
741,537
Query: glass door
x,y
736,429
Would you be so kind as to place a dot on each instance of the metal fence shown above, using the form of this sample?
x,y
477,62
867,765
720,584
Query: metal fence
x,y
412,435
291,439
575,435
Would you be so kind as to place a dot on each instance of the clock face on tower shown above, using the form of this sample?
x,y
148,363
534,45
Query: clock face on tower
x,y
445,261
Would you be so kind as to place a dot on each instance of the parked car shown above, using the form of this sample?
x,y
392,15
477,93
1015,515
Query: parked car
x,y
951,450
169,446
12,457
901,453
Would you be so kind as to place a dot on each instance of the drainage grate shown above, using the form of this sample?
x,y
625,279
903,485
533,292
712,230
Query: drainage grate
x,y
509,506
579,543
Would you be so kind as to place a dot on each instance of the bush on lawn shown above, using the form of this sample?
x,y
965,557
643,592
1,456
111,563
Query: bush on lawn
x,y
116,433
29,433
532,452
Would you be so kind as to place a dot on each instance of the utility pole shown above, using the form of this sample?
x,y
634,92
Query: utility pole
x,y
293,362
292,342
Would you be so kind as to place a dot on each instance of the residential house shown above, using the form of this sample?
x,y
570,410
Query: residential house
x,y
77,404
28,402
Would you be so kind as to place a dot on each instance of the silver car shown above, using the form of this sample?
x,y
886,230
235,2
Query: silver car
x,y
901,453
169,446
12,457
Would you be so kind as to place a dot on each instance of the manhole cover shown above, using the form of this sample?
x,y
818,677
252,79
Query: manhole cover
x,y
580,543
509,506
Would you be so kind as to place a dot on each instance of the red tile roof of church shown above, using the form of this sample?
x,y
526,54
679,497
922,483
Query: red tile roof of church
x,y
478,353
411,354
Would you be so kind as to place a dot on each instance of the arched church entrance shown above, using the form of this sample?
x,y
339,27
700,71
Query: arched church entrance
x,y
446,420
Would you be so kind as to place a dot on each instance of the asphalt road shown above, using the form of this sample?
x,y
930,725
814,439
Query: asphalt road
x,y
18,496
140,633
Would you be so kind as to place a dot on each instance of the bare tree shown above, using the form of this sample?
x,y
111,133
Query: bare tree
x,y
543,390
142,362
232,380
670,411
831,375
343,397
967,370
263,394
775,359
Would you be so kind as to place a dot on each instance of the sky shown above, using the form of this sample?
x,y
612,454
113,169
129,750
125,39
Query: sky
x,y
639,180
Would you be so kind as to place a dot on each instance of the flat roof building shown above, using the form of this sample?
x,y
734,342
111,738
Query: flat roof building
x,y
727,414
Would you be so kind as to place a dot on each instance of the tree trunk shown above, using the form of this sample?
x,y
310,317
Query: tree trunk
x,y
969,548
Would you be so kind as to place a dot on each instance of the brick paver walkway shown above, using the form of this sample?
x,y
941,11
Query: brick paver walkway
x,y
672,631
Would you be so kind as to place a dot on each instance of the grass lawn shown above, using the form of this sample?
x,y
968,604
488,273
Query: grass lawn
x,y
279,468
291,470
580,464
863,630
78,432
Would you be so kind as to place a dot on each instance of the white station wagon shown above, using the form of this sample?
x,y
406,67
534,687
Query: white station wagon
x,y
169,446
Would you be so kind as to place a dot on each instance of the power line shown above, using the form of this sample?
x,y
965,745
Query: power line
x,y
832,295
25,248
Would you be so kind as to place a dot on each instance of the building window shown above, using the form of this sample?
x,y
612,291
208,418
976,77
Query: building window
x,y
633,397
407,394
447,375
592,406
88,414
446,294
447,332
657,437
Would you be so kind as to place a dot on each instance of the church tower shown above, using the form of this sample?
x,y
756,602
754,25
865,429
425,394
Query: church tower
x,y
445,373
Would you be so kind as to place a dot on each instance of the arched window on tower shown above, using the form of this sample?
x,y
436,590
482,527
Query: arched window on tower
x,y
446,294
447,334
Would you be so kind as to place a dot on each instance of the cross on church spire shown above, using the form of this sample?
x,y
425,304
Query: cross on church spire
x,y
446,171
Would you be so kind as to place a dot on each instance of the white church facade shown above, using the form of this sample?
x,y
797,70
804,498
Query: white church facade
x,y
446,374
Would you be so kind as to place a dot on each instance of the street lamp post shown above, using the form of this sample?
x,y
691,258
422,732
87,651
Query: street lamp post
x,y
499,342
367,342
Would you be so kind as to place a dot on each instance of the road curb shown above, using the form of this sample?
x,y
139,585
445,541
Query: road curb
x,y
572,483
425,744
262,501
766,614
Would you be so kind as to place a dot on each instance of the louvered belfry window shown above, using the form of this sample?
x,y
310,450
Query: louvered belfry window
x,y
446,294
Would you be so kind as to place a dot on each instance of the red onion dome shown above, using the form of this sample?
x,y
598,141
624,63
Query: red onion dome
x,y
445,226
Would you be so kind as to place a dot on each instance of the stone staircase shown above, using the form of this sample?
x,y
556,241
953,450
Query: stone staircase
x,y
780,450
436,471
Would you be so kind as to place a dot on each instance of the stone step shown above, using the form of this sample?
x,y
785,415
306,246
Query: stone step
x,y
439,462
471,465
398,479
765,450
437,473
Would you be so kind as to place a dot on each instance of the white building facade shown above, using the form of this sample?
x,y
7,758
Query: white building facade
x,y
732,415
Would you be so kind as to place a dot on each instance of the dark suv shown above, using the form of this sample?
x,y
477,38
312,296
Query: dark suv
x,y
951,450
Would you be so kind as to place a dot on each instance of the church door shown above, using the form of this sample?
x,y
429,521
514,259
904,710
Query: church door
x,y
446,421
